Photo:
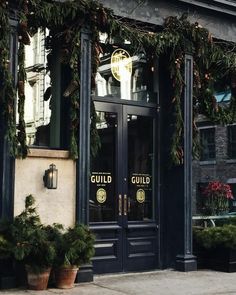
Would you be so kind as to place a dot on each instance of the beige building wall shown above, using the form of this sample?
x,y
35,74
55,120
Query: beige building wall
x,y
53,205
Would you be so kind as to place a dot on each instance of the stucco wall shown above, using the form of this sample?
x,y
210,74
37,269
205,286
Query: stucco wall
x,y
54,205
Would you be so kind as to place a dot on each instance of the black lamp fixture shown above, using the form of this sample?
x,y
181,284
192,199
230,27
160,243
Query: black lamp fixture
x,y
50,177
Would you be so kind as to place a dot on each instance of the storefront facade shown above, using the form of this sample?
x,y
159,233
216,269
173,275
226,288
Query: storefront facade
x,y
138,207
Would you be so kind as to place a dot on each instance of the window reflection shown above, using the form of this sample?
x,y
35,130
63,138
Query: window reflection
x,y
140,167
137,85
102,203
37,92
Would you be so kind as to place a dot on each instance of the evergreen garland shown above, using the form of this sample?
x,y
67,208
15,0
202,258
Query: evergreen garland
x,y
7,87
213,61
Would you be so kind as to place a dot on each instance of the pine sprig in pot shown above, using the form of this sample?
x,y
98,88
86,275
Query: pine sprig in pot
x,y
30,242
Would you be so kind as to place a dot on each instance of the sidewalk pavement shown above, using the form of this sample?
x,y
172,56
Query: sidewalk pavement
x,y
165,282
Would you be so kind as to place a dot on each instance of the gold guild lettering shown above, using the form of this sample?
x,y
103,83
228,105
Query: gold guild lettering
x,y
101,179
140,179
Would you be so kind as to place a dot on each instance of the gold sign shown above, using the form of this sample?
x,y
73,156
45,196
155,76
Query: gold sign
x,y
101,195
121,64
140,195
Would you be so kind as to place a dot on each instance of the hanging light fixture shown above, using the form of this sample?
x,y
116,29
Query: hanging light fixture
x,y
50,177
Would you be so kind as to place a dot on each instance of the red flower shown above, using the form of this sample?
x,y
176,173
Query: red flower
x,y
216,195
218,189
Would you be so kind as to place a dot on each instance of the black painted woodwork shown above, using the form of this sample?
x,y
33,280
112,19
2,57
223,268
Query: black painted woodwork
x,y
7,167
83,163
185,261
7,163
85,273
124,245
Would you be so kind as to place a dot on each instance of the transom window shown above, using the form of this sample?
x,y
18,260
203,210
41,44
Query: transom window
x,y
126,75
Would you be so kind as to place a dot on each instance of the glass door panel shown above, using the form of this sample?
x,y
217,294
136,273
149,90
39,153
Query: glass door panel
x,y
140,157
102,203
123,188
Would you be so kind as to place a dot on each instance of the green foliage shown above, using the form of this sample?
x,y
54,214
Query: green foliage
x,y
27,240
219,236
212,62
5,245
7,90
74,246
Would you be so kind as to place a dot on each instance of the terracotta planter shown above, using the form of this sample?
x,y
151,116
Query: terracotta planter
x,y
37,281
65,277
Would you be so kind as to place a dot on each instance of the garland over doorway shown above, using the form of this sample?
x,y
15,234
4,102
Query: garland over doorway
x,y
213,61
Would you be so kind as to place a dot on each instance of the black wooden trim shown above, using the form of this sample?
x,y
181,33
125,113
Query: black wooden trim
x,y
7,163
117,100
188,117
85,273
83,163
186,261
7,166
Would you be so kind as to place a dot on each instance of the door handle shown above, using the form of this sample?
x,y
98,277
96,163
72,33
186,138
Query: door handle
x,y
125,205
120,205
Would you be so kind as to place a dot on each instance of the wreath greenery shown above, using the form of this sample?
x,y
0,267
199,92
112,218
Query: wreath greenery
x,y
213,61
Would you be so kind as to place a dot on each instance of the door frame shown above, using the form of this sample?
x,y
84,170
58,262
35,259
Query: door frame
x,y
123,108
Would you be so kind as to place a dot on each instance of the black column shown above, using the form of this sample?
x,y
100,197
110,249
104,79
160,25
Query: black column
x,y
185,261
7,164
83,164
6,161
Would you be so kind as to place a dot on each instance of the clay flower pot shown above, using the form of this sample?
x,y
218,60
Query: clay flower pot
x,y
37,281
65,277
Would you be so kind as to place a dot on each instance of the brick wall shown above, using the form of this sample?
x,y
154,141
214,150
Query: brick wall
x,y
222,168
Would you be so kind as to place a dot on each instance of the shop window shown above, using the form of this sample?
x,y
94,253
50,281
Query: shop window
x,y
43,98
231,134
207,141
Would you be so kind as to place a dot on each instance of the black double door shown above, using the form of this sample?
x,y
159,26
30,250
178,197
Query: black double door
x,y
123,195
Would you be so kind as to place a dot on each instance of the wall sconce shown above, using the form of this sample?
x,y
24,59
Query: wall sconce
x,y
50,177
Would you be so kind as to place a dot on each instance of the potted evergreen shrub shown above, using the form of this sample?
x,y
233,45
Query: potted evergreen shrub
x,y
28,242
217,247
74,247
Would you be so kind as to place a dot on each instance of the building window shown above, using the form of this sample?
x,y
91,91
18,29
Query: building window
x,y
231,130
207,141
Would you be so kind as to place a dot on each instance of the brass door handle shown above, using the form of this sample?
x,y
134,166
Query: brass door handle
x,y
120,205
125,205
